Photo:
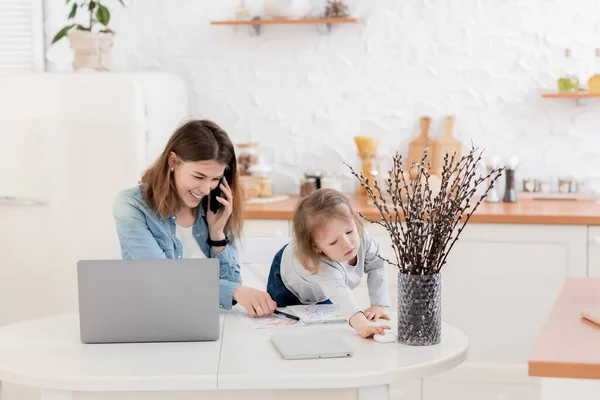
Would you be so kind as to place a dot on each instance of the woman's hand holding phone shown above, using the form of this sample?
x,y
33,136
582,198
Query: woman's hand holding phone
x,y
217,221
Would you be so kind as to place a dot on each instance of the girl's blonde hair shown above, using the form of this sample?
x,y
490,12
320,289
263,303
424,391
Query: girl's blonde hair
x,y
312,213
195,140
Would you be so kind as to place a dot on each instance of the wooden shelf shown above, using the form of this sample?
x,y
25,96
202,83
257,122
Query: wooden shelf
x,y
290,21
580,97
323,24
575,95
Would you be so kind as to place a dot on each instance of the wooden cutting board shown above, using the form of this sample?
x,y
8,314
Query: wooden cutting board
x,y
446,143
417,146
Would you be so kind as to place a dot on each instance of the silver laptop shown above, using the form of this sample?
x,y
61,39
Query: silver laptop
x,y
123,301
299,346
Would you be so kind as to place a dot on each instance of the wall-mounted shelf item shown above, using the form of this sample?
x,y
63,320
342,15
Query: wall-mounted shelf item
x,y
581,96
324,24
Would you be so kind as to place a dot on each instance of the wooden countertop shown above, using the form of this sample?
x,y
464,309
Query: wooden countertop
x,y
569,346
550,212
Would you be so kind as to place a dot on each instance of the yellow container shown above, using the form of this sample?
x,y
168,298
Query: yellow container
x,y
367,151
594,81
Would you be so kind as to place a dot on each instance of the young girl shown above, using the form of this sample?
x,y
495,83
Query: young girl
x,y
170,214
329,256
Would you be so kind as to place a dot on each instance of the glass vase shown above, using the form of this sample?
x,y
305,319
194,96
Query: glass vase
x,y
419,309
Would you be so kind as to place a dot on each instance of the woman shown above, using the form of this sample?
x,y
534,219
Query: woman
x,y
169,214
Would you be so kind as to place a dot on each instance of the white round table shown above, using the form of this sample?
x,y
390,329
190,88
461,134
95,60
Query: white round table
x,y
47,353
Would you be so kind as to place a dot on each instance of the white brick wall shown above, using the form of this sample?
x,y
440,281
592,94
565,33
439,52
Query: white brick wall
x,y
305,95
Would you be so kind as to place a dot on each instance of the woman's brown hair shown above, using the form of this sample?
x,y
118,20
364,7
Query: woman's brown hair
x,y
312,213
196,140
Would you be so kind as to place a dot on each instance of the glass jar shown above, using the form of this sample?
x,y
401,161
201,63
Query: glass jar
x,y
369,169
331,183
568,82
564,185
543,186
263,186
528,185
247,187
262,183
246,157
308,186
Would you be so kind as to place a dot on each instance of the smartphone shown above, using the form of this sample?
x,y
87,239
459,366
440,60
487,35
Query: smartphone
x,y
214,203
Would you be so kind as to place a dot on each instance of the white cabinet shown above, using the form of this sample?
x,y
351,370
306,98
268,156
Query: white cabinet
x,y
499,286
479,391
501,281
594,251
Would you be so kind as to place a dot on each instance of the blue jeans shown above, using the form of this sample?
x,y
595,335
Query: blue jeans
x,y
277,289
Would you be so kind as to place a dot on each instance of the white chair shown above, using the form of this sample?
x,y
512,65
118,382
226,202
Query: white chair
x,y
256,255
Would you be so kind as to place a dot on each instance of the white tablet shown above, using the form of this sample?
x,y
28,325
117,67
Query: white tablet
x,y
300,346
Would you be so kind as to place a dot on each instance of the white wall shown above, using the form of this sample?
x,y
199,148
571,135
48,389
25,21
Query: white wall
x,y
306,95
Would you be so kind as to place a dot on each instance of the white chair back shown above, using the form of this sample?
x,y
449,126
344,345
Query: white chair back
x,y
256,255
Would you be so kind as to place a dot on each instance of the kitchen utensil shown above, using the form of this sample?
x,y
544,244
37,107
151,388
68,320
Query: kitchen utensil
x,y
510,190
446,143
417,146
493,195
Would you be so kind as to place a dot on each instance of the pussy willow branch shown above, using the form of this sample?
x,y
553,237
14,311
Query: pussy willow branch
x,y
423,225
384,222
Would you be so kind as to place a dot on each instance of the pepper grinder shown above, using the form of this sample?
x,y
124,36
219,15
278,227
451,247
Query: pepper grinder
x,y
493,196
510,190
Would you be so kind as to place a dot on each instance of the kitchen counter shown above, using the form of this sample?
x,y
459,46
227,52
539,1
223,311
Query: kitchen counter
x,y
526,211
568,346
566,356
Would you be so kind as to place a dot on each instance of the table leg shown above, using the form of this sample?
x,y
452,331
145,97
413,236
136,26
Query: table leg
x,y
381,392
49,394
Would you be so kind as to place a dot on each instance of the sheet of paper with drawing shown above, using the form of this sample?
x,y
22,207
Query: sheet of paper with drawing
x,y
318,313
272,321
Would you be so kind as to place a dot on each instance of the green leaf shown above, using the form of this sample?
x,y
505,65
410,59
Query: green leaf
x,y
73,11
92,5
62,33
103,14
81,28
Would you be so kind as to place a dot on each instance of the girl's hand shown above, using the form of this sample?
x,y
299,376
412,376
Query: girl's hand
x,y
362,326
216,221
370,330
374,313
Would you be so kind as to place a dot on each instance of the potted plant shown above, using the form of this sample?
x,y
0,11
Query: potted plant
x,y
92,42
424,224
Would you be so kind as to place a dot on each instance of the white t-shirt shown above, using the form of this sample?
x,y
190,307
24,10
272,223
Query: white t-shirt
x,y
191,248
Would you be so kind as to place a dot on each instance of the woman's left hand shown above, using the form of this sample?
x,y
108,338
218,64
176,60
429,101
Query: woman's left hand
x,y
216,221
374,313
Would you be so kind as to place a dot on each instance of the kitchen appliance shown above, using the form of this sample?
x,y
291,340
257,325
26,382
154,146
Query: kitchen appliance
x,y
69,142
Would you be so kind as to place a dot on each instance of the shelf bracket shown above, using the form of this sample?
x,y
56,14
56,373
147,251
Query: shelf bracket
x,y
255,29
583,102
325,28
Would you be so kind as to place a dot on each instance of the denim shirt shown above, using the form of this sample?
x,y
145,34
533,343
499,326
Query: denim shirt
x,y
144,234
